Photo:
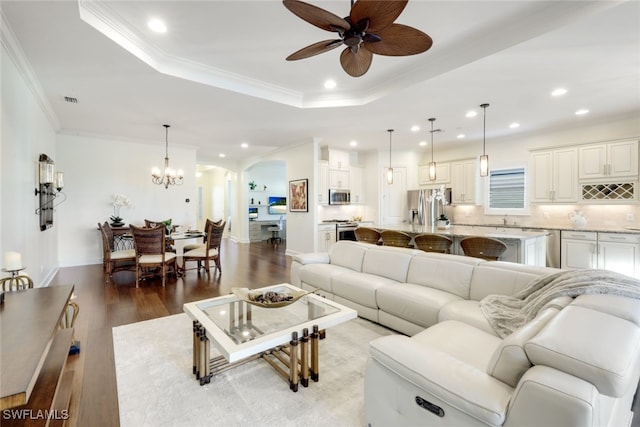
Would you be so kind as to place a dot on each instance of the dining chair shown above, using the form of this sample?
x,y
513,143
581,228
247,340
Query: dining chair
x,y
168,229
210,251
193,246
483,247
114,260
429,242
395,238
151,253
16,283
367,234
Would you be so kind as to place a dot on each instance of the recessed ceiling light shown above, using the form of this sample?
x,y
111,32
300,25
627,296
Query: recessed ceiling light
x,y
559,91
157,26
222,155
514,125
422,143
471,114
582,112
353,143
330,84
460,135
415,128
244,145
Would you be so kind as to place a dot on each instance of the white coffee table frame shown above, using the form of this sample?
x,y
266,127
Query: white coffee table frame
x,y
294,346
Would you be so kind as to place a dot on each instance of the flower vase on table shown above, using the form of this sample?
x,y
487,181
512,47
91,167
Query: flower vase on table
x,y
116,221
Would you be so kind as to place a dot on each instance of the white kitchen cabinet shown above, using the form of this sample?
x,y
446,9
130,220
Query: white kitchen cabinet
x,y
323,182
338,159
554,176
464,186
578,249
609,160
326,237
357,184
338,179
617,252
443,174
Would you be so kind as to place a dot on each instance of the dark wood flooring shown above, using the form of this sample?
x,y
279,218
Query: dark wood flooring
x,y
94,399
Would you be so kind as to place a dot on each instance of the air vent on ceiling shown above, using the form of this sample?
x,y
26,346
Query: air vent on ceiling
x,y
70,99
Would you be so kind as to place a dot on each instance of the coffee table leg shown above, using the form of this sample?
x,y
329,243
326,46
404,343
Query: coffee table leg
x,y
315,365
195,346
293,362
304,358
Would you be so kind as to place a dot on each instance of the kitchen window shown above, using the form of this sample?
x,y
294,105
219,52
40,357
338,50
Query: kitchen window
x,y
506,192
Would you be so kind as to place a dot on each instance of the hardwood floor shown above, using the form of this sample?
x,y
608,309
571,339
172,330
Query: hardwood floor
x,y
102,306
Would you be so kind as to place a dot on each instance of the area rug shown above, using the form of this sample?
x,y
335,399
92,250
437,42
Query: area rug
x,y
156,388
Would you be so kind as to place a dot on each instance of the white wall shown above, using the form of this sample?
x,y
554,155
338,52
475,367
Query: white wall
x,y
26,131
96,169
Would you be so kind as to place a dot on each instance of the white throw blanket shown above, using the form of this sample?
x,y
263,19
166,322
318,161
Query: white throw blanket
x,y
508,313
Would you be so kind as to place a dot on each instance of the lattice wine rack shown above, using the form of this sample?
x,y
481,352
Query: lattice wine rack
x,y
619,191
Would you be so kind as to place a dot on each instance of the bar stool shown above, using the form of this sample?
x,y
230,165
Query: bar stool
x,y
483,247
429,242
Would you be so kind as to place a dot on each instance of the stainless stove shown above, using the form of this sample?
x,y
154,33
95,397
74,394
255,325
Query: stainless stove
x,y
345,229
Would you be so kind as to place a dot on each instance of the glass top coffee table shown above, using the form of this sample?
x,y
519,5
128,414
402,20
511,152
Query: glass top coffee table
x,y
286,337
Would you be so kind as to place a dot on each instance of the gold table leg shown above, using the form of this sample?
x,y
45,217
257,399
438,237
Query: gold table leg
x,y
293,362
304,358
315,364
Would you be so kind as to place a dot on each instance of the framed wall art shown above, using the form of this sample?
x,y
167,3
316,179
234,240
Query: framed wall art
x,y
298,195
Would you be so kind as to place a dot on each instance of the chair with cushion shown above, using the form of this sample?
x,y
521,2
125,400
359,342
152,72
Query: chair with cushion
x,y
16,283
210,251
483,247
429,242
275,232
114,260
366,234
168,230
149,244
395,238
193,246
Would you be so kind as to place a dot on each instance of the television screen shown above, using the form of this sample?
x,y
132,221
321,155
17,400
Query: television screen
x,y
277,205
253,213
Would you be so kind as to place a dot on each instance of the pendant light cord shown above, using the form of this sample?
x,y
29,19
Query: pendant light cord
x,y
484,129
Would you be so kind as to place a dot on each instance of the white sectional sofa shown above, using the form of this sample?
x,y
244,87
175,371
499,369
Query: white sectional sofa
x,y
577,363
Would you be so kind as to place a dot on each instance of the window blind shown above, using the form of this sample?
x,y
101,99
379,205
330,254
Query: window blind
x,y
506,188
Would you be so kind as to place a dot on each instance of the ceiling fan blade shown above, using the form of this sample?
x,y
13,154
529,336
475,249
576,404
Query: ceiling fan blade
x,y
381,14
315,49
356,64
400,40
316,16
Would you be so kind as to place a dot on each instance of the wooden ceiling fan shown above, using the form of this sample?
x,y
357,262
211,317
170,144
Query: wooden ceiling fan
x,y
368,29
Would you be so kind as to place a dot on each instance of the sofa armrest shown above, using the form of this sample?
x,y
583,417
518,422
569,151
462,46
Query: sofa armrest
x,y
454,384
312,258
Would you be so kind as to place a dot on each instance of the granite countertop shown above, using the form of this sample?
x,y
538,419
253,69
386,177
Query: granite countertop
x,y
601,229
506,233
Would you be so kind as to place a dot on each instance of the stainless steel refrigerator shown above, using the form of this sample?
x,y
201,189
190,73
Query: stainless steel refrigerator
x,y
422,210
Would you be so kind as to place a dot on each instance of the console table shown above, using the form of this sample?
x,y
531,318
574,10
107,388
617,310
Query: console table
x,y
33,355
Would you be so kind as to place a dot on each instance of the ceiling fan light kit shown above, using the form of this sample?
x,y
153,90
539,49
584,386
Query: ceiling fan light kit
x,y
369,29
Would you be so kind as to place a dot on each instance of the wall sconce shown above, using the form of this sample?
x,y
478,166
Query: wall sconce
x,y
49,188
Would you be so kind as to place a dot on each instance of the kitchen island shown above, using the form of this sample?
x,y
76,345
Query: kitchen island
x,y
524,247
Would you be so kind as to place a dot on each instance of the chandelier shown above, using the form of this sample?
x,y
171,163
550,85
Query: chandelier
x,y
170,176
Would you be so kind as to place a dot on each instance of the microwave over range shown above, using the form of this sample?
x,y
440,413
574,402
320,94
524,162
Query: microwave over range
x,y
339,197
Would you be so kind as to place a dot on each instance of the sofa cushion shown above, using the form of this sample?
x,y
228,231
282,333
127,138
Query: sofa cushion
x,y
360,287
319,275
595,346
619,306
503,278
449,273
348,254
466,311
415,303
392,263
509,362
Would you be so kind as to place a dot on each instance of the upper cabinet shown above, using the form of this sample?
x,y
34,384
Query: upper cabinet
x,y
609,160
338,179
357,184
554,176
443,174
338,159
323,182
464,186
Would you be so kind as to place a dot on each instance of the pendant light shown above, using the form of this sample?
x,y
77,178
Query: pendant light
x,y
432,164
390,170
170,176
484,159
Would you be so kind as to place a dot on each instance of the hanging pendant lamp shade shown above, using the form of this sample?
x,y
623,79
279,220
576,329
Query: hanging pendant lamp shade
x,y
484,159
432,164
390,170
